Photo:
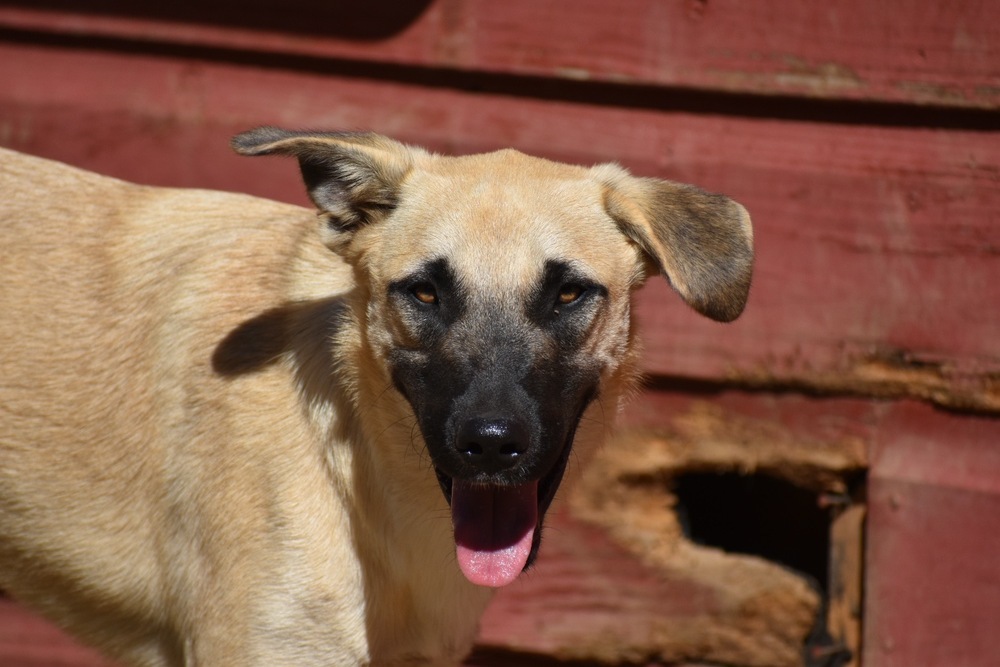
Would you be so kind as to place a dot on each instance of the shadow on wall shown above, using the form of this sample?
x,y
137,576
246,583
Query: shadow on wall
x,y
363,21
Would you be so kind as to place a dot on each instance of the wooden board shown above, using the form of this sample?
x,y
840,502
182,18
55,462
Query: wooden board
x,y
931,573
932,586
878,249
941,53
26,640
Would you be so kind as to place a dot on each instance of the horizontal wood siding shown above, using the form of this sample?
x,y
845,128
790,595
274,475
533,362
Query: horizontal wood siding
x,y
942,53
863,137
878,247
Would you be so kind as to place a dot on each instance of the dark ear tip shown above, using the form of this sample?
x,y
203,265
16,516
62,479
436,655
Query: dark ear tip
x,y
257,141
727,313
729,308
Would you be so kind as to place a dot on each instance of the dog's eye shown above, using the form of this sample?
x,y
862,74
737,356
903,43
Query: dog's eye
x,y
424,293
569,293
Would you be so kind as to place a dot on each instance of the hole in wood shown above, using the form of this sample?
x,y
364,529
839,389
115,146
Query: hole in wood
x,y
758,515
761,515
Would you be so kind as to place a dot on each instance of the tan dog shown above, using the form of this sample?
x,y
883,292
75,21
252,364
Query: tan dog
x,y
233,435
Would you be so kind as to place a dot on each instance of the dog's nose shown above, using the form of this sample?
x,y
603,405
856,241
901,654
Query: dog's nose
x,y
492,445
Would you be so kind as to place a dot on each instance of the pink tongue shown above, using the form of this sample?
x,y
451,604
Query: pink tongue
x,y
494,527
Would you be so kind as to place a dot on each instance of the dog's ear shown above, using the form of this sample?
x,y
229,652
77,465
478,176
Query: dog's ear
x,y
353,177
702,242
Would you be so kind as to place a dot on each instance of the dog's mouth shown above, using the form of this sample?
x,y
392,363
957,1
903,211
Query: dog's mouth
x,y
498,528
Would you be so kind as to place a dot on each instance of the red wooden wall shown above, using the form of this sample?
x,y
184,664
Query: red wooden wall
x,y
862,136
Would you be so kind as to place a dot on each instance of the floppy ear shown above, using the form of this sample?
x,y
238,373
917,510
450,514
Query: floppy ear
x,y
702,242
353,177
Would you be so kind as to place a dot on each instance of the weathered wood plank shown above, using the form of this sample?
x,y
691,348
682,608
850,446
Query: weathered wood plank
x,y
590,599
845,606
942,53
29,641
878,266
932,582
932,586
618,580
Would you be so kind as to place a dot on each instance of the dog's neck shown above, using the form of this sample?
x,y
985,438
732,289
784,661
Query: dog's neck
x,y
363,420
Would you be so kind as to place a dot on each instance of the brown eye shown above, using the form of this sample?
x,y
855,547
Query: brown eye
x,y
569,293
425,293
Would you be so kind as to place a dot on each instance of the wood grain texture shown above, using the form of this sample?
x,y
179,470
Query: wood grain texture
x,y
878,248
27,640
845,607
941,53
932,586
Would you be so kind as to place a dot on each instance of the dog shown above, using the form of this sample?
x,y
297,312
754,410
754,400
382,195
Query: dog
x,y
239,432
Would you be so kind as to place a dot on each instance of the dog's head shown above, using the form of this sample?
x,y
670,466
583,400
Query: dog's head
x,y
498,301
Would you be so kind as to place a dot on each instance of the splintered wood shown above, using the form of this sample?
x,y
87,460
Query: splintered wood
x,y
642,589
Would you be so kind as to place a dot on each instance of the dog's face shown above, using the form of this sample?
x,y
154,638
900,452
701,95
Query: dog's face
x,y
500,302
497,293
